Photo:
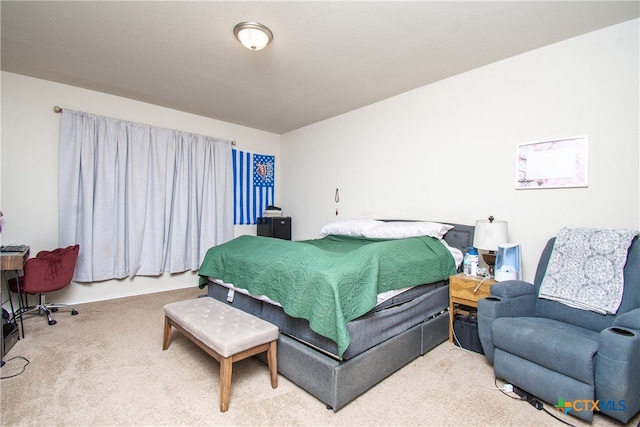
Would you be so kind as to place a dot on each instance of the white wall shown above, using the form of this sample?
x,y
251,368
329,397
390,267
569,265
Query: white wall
x,y
447,151
29,173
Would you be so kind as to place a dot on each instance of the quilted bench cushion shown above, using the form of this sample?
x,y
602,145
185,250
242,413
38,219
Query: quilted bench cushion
x,y
223,328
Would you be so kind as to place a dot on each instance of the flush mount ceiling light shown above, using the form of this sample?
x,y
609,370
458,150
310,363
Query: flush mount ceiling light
x,y
253,35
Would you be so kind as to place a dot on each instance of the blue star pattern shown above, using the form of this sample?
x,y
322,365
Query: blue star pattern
x,y
263,167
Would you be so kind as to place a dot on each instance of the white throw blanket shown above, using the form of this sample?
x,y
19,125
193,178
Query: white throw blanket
x,y
586,268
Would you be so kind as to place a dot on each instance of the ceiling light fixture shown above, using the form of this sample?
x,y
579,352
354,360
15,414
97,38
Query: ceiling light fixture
x,y
253,35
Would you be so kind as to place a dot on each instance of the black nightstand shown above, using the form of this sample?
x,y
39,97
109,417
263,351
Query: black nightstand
x,y
278,227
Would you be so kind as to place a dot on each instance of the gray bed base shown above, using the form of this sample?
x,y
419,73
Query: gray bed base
x,y
335,382
386,320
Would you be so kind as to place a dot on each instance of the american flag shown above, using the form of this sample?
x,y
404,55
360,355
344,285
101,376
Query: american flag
x,y
253,185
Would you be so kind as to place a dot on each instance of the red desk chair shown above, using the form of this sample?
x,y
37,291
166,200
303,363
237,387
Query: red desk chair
x,y
49,271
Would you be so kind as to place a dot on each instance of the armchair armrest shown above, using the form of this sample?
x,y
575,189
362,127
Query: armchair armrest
x,y
630,319
511,298
617,365
512,289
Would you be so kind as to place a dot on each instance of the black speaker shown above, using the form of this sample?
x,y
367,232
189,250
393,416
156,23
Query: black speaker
x,y
465,328
278,227
9,333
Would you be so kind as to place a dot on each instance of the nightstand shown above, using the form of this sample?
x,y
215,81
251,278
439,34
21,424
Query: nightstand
x,y
466,291
278,227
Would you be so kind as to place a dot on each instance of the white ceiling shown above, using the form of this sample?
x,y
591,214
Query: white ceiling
x,y
327,57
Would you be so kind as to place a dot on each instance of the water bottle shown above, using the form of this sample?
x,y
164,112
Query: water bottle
x,y
473,262
470,262
466,264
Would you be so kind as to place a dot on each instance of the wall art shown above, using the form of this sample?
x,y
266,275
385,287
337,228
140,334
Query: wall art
x,y
553,164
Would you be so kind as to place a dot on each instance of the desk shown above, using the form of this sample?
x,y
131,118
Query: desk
x,y
14,261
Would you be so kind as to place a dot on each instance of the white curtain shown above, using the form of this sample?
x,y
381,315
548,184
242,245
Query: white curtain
x,y
140,200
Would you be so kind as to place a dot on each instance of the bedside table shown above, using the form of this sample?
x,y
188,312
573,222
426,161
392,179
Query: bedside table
x,y
466,290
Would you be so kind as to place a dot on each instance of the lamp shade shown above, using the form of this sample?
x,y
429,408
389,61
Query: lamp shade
x,y
489,233
253,35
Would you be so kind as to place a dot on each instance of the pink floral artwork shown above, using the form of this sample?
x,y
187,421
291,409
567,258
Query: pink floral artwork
x,y
553,164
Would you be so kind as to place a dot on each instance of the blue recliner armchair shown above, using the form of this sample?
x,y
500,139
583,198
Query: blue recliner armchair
x,y
568,357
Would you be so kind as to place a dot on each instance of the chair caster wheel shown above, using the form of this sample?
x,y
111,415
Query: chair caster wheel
x,y
74,312
54,309
53,322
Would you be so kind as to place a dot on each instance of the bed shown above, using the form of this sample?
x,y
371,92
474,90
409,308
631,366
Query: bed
x,y
347,317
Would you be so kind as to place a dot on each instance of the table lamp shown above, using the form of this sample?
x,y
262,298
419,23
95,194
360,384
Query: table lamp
x,y
488,234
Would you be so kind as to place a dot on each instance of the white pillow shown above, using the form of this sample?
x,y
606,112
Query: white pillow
x,y
352,227
401,230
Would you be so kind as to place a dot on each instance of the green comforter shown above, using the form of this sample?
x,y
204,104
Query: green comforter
x,y
327,281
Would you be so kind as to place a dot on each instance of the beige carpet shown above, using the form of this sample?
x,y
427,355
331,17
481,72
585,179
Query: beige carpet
x,y
106,367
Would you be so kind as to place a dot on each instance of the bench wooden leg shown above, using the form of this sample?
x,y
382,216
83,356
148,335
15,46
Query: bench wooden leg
x,y
226,369
272,362
167,333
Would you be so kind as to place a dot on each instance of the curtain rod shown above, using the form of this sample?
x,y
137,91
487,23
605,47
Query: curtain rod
x,y
58,110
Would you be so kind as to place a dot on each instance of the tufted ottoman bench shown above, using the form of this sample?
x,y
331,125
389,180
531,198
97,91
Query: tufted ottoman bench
x,y
226,333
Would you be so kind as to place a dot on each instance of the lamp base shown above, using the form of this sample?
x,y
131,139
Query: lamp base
x,y
490,259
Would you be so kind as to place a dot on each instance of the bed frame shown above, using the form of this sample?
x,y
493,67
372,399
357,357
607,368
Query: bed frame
x,y
336,382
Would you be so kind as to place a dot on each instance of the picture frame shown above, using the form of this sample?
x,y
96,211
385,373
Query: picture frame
x,y
558,163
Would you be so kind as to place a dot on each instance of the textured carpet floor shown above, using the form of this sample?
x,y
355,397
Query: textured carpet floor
x,y
106,367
